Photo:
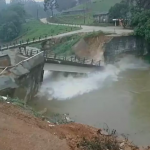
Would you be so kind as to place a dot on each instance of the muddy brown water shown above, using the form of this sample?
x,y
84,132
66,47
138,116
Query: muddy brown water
x,y
118,97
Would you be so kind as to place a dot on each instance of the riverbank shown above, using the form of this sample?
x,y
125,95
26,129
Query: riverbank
x,y
19,130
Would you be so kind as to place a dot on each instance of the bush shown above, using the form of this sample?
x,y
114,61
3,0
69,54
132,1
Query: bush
x,y
141,24
105,143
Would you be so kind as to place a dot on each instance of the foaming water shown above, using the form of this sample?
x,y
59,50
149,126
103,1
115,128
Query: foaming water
x,y
61,87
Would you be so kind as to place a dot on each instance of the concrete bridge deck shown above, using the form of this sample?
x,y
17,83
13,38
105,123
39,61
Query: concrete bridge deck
x,y
69,68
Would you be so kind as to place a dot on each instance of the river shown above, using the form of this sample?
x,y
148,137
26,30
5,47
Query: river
x,y
119,96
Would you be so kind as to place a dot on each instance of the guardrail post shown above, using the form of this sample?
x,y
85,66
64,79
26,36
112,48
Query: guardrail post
x,y
27,41
75,58
55,56
31,53
0,47
7,46
71,58
92,62
84,60
79,59
99,63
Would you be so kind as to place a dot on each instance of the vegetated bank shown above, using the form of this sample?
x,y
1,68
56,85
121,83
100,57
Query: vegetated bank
x,y
36,29
16,25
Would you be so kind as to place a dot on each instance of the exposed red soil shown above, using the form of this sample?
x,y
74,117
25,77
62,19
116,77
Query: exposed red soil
x,y
91,48
21,131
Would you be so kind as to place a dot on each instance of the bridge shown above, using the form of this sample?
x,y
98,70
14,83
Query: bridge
x,y
62,63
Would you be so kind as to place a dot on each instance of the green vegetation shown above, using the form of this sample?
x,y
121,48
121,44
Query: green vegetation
x,y
73,19
65,45
22,104
137,15
97,5
35,29
141,23
94,34
103,143
87,18
53,118
11,22
120,11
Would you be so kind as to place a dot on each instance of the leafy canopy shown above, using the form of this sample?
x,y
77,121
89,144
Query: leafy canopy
x,y
11,21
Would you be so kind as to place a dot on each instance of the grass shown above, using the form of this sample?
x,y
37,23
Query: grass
x,y
97,5
21,104
36,29
74,19
94,34
64,47
54,118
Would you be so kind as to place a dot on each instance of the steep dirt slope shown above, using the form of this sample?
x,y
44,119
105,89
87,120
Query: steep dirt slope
x,y
92,47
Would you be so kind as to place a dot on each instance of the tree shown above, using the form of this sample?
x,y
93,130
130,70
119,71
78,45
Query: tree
x,y
65,4
50,5
120,11
11,22
141,24
8,31
19,9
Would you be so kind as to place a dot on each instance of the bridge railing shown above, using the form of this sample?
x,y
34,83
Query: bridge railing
x,y
73,59
23,42
61,58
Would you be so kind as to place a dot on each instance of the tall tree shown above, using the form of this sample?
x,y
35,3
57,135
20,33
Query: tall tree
x,y
11,22
119,11
50,5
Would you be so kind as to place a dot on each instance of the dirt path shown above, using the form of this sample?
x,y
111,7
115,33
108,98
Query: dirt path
x,y
112,29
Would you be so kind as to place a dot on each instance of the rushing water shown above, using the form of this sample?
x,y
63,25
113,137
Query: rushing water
x,y
118,96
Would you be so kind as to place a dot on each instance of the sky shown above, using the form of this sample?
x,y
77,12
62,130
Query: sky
x,y
8,1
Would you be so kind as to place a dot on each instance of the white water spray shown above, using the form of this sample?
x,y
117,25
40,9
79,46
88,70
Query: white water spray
x,y
57,86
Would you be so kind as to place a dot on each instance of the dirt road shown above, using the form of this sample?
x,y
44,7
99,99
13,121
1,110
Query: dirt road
x,y
112,29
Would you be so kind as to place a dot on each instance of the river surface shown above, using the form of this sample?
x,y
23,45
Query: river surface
x,y
119,96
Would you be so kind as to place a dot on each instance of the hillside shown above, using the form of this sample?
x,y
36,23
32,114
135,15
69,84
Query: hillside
x,y
97,5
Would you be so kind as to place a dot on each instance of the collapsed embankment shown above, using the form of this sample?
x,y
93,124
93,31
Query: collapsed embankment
x,y
97,46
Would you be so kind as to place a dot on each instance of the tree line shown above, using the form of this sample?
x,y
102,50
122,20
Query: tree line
x,y
11,22
136,14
